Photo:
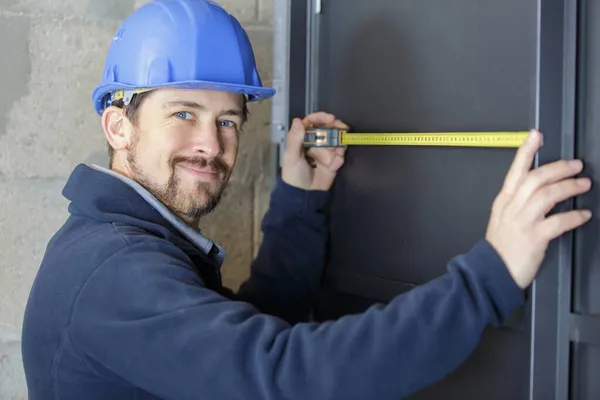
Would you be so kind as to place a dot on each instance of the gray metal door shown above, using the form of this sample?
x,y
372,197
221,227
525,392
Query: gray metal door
x,y
399,214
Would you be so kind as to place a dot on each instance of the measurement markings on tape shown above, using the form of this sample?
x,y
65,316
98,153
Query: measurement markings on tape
x,y
320,137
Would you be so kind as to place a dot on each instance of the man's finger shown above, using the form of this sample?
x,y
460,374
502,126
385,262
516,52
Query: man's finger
x,y
321,155
320,119
546,175
330,162
336,163
341,125
522,162
557,224
295,138
546,198
341,150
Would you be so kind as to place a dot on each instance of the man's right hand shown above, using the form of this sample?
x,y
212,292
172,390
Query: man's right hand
x,y
519,229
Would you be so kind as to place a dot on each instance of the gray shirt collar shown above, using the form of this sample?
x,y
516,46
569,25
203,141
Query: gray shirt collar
x,y
206,245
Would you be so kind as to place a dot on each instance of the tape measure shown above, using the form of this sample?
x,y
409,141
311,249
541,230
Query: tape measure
x,y
333,137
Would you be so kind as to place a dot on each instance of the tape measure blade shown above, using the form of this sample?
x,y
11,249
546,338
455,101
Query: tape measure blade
x,y
510,139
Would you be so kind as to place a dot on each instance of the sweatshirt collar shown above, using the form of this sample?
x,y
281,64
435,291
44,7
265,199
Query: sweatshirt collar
x,y
207,246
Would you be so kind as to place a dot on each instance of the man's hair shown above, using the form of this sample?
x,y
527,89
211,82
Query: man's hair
x,y
133,108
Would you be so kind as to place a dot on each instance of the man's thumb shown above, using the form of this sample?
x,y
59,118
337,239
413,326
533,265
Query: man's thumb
x,y
295,137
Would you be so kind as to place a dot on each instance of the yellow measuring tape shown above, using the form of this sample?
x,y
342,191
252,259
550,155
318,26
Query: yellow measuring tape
x,y
320,137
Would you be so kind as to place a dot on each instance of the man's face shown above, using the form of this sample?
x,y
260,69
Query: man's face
x,y
185,147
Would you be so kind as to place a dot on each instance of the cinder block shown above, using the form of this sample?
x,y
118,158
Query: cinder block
x,y
230,225
31,210
54,126
265,15
15,69
243,10
262,197
8,5
89,9
12,377
253,158
253,154
262,43
109,9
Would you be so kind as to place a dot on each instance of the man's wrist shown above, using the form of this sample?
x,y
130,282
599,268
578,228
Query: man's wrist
x,y
300,199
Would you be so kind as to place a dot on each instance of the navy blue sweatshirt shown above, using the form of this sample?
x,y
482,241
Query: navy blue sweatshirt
x,y
128,304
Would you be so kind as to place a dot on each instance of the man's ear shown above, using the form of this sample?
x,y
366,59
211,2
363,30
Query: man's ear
x,y
114,123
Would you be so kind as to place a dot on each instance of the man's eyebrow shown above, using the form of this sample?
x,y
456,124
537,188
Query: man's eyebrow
x,y
233,112
183,103
192,104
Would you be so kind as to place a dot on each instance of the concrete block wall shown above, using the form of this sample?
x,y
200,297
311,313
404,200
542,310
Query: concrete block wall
x,y
52,57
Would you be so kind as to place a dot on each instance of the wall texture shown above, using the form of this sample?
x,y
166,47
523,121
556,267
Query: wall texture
x,y
52,57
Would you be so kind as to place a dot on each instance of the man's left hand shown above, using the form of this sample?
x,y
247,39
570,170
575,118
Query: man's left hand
x,y
296,170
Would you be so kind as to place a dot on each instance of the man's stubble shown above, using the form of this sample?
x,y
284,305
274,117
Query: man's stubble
x,y
171,194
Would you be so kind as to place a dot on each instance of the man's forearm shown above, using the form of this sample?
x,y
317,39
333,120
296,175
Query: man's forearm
x,y
195,341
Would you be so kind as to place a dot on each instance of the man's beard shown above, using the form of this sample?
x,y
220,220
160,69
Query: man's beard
x,y
174,197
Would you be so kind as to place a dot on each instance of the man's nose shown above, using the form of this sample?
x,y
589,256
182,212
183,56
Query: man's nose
x,y
207,140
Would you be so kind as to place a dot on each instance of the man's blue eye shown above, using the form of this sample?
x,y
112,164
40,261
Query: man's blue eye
x,y
183,114
227,124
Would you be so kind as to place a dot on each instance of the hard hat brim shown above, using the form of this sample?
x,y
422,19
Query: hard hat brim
x,y
254,93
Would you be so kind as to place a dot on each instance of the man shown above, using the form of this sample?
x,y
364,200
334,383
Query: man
x,y
128,302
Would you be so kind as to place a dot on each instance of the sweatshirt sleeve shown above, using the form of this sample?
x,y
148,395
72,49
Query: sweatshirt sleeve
x,y
288,268
145,316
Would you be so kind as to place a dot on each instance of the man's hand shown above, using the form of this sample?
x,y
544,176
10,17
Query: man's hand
x,y
296,170
519,229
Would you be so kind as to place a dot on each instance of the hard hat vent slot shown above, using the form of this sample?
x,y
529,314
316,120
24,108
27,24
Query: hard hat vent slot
x,y
111,74
160,71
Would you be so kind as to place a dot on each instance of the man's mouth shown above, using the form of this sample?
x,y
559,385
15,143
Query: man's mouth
x,y
207,172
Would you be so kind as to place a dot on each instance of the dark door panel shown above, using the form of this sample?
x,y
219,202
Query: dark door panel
x,y
398,215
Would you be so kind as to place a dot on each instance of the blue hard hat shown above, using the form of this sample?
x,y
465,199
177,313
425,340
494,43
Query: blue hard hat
x,y
188,44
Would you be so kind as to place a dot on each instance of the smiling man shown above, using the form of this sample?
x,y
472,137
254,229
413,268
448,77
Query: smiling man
x,y
128,302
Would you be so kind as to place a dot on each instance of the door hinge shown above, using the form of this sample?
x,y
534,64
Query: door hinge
x,y
317,6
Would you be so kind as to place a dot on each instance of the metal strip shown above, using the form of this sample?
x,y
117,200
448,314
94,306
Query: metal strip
x,y
582,82
281,82
555,118
566,247
298,46
312,50
289,63
584,330
533,295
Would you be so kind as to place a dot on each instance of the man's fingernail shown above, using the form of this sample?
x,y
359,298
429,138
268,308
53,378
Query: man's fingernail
x,y
585,183
534,134
576,164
